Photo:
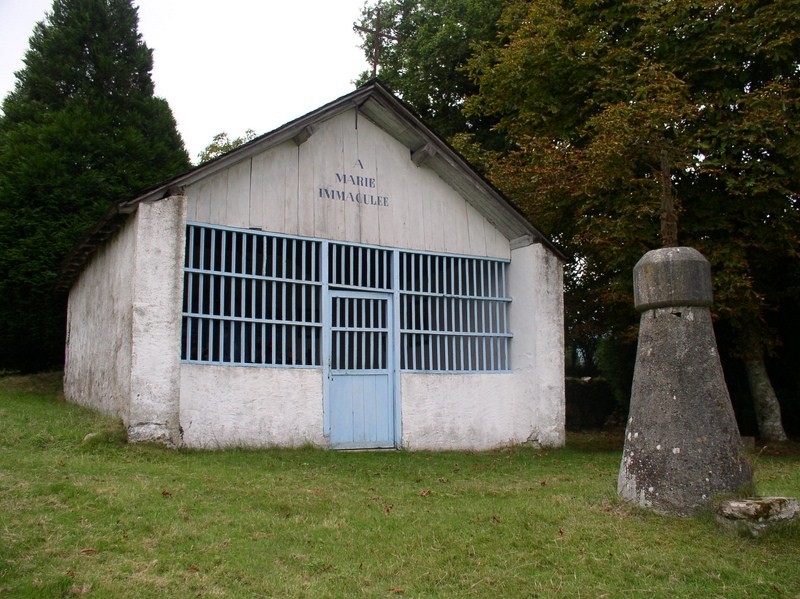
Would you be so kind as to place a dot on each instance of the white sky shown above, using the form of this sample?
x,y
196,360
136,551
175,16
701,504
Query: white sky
x,y
226,65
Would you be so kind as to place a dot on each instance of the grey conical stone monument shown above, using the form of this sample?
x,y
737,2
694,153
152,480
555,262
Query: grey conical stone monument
x,y
682,444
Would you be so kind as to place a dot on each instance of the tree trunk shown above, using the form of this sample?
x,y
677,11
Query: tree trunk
x,y
768,410
669,220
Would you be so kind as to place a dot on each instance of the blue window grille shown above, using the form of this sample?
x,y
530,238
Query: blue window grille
x,y
453,313
251,298
359,267
256,298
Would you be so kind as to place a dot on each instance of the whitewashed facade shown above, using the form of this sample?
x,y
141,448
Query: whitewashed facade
x,y
345,281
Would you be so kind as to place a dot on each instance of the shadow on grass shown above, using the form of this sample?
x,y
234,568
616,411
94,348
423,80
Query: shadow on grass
x,y
596,442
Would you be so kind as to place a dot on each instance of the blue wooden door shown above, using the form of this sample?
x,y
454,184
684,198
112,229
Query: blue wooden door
x,y
361,371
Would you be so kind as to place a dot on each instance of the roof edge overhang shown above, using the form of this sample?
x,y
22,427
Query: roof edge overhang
x,y
373,100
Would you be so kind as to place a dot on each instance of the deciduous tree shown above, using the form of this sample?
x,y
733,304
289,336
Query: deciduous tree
x,y
222,143
619,109
423,52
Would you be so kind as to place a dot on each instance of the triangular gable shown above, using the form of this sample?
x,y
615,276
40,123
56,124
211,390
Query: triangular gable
x,y
372,102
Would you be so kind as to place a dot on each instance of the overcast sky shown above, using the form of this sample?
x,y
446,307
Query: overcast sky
x,y
226,65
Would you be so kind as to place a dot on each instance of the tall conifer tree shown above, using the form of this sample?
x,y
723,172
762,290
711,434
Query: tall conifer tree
x,y
81,129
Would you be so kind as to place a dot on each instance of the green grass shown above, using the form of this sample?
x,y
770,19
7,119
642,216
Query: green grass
x,y
105,519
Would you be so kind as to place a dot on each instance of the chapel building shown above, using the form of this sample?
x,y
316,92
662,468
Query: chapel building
x,y
347,281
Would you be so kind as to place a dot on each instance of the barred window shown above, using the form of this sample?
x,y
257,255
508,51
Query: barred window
x,y
256,298
359,267
251,298
453,313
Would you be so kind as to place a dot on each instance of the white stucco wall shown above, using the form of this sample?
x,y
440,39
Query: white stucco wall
x,y
459,411
223,406
156,321
98,349
526,405
536,318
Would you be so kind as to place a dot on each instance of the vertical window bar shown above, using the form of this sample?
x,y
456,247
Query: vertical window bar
x,y
316,251
426,266
474,294
273,350
445,300
348,259
473,280
496,303
404,273
274,257
404,336
496,328
263,270
386,279
334,356
346,304
253,296
483,350
212,300
292,332
243,327
334,249
429,300
361,309
264,359
453,296
284,312
230,325
303,313
222,297
190,294
200,306
413,299
372,325
481,266
360,253
371,270
461,319
444,326
294,259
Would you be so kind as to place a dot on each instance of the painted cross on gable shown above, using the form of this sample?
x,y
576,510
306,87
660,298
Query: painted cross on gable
x,y
378,34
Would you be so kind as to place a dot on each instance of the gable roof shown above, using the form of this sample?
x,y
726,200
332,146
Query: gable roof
x,y
377,103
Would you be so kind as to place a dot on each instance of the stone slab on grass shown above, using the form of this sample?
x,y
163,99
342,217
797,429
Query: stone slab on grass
x,y
757,515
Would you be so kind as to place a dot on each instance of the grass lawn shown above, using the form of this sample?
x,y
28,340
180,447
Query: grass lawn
x,y
105,519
